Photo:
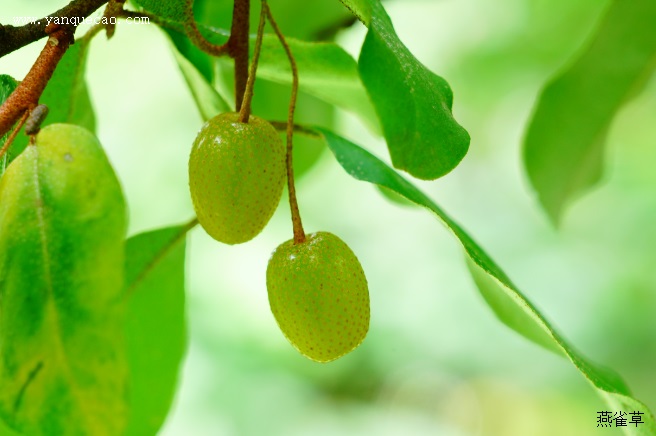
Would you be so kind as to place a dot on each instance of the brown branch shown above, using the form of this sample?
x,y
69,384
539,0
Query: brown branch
x,y
245,110
27,93
197,38
114,7
12,38
238,47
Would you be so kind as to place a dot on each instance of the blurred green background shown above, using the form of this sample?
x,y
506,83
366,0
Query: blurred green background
x,y
436,361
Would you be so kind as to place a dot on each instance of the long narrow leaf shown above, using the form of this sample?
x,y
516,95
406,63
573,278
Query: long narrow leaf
x,y
564,145
155,324
507,302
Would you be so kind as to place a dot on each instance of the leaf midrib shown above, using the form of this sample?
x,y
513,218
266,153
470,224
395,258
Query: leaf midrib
x,y
59,347
161,254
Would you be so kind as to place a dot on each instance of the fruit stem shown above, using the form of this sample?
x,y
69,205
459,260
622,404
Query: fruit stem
x,y
245,107
299,233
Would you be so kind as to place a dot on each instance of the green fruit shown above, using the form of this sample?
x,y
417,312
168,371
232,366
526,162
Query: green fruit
x,y
318,294
236,176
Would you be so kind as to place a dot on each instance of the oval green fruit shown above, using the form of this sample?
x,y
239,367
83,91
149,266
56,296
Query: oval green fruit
x,y
236,176
319,296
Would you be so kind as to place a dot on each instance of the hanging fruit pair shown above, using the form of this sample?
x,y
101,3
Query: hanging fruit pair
x,y
237,169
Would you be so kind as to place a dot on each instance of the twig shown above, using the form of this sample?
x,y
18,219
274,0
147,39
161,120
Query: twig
x,y
27,93
299,233
36,118
197,38
245,110
93,31
238,47
114,7
12,38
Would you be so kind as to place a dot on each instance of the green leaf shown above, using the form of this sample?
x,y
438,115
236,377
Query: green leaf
x,y
173,10
564,144
269,97
514,310
7,86
325,71
62,231
413,103
155,324
508,303
393,197
6,431
67,95
203,62
207,99
360,8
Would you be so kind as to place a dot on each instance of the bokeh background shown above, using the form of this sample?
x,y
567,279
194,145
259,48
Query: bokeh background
x,y
436,361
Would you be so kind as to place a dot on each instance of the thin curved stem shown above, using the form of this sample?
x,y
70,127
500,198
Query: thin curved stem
x,y
299,233
197,38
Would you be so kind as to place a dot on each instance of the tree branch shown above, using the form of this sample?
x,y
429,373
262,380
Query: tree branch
x,y
12,38
245,109
27,93
238,47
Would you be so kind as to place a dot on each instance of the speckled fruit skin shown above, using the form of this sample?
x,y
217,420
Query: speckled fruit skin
x,y
319,296
236,176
